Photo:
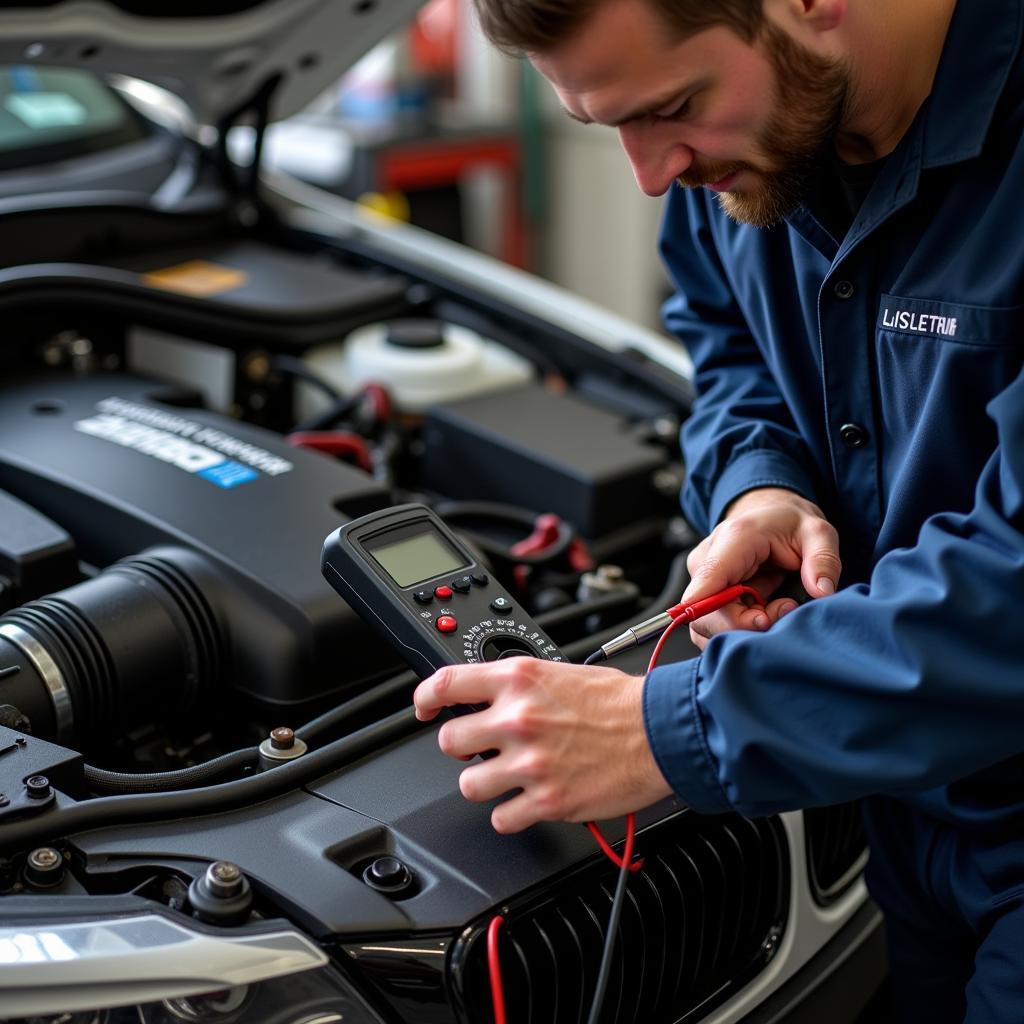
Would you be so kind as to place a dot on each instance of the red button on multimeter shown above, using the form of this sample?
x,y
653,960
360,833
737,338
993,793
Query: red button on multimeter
x,y
446,623
442,593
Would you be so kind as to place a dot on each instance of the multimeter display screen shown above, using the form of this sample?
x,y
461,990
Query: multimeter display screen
x,y
417,558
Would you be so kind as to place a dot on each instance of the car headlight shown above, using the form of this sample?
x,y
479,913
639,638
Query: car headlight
x,y
149,969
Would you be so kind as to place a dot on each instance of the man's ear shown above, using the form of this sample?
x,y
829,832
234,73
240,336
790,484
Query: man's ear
x,y
820,15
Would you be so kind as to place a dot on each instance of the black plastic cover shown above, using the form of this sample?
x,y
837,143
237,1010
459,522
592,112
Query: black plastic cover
x,y
21,758
546,452
36,555
309,848
122,473
251,291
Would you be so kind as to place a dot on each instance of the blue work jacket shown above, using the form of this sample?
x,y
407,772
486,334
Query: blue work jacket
x,y
880,376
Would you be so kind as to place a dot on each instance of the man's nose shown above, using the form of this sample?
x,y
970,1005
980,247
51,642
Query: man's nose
x,y
657,155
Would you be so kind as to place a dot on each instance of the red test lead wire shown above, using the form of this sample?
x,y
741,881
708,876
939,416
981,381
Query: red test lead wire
x,y
494,968
606,847
667,621
670,619
689,611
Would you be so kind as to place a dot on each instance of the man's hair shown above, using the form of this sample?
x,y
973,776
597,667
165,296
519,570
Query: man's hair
x,y
536,26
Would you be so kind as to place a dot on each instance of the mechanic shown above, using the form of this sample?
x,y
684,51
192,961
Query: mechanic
x,y
848,250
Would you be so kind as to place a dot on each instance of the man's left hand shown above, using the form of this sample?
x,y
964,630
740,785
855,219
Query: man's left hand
x,y
571,738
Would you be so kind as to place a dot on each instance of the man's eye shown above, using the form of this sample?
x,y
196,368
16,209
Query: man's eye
x,y
676,113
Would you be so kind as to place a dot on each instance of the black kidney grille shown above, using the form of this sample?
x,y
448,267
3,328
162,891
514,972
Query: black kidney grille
x,y
703,915
836,849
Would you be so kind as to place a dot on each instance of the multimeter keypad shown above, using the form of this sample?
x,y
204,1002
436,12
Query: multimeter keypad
x,y
450,594
413,581
454,587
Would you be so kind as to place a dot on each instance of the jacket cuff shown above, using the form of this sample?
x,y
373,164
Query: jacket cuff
x,y
675,733
761,467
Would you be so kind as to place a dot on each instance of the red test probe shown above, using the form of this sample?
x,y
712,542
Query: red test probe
x,y
685,611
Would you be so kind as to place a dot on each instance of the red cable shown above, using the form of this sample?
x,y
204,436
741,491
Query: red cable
x,y
580,559
340,443
689,611
546,530
380,398
494,965
607,848
662,640
493,961
630,820
686,611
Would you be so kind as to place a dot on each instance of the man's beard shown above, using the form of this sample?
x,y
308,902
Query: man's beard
x,y
811,94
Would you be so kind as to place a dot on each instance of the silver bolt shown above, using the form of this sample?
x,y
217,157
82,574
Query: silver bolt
x,y
281,745
44,859
38,787
605,579
223,878
666,427
667,481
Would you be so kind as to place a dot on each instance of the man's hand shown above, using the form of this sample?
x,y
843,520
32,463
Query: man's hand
x,y
765,534
570,737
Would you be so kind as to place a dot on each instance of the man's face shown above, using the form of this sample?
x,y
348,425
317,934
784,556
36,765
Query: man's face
x,y
748,121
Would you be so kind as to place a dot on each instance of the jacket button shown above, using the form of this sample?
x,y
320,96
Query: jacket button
x,y
843,289
853,435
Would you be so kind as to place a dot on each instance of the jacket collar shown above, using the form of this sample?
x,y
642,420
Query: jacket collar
x,y
981,46
952,125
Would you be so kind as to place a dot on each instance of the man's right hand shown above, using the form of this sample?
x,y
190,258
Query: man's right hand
x,y
765,534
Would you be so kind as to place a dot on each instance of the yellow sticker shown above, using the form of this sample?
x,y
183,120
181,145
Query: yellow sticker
x,y
199,278
389,206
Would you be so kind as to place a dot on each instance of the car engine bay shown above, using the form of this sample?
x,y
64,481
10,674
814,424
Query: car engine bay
x,y
187,410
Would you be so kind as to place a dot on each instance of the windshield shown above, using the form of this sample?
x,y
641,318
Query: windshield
x,y
49,114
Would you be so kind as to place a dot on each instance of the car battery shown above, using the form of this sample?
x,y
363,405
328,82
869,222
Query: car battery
x,y
548,452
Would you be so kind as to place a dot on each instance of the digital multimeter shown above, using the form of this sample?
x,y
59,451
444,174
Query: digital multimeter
x,y
417,584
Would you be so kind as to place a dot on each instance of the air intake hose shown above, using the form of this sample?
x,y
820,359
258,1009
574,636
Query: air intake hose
x,y
137,642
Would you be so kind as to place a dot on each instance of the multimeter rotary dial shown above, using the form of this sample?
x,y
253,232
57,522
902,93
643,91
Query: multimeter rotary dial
x,y
497,638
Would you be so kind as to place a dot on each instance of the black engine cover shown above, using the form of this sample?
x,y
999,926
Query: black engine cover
x,y
113,462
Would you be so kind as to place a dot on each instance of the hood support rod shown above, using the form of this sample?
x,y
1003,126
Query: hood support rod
x,y
243,182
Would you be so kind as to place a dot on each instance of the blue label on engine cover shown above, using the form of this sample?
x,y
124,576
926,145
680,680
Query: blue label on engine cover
x,y
228,474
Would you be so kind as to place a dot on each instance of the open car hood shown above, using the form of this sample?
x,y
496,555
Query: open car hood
x,y
214,54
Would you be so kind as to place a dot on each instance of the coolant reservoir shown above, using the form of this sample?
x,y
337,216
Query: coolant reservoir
x,y
421,362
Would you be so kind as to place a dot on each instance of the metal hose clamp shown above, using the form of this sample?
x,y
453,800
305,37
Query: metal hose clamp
x,y
48,672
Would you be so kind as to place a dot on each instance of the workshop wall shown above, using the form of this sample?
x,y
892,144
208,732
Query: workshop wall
x,y
594,233
583,223
600,232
